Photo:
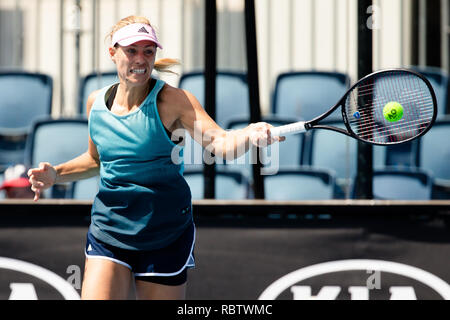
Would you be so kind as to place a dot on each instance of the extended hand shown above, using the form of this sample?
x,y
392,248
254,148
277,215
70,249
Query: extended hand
x,y
260,134
41,178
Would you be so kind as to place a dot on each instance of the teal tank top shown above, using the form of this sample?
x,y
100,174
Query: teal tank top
x,y
143,202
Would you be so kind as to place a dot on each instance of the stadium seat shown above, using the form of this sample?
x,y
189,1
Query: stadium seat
x,y
300,184
229,185
404,184
26,97
308,94
331,150
440,83
92,82
435,152
85,189
57,141
401,155
232,97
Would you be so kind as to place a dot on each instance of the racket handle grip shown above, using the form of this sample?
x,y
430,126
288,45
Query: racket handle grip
x,y
296,127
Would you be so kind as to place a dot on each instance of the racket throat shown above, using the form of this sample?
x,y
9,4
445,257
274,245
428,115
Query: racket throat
x,y
308,126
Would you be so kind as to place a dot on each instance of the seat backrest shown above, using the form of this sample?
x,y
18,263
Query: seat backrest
x,y
401,155
232,96
334,151
439,81
92,82
307,95
229,185
434,151
300,184
405,184
25,97
86,189
56,141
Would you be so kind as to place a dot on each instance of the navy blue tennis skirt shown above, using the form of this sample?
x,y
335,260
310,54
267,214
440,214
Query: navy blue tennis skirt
x,y
164,266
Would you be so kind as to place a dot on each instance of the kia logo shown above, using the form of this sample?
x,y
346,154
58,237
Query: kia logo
x,y
299,292
26,291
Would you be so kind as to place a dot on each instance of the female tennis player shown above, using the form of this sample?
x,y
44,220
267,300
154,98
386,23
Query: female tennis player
x,y
141,227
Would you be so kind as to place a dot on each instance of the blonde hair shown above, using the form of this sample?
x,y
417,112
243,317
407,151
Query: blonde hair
x,y
161,65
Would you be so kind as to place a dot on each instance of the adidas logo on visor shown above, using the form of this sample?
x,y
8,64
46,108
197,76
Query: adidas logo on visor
x,y
143,30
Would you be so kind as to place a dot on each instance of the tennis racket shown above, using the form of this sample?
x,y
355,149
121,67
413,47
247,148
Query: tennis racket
x,y
384,108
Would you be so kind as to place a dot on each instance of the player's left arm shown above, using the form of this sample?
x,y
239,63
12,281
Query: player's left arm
x,y
220,142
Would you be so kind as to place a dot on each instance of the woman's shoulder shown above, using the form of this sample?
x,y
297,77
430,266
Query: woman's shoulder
x,y
174,95
91,99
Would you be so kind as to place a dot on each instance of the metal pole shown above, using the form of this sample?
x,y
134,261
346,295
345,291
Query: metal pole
x,y
17,52
253,86
422,33
182,33
365,58
402,31
37,33
94,35
335,35
445,32
313,34
269,39
210,85
291,31
61,56
77,28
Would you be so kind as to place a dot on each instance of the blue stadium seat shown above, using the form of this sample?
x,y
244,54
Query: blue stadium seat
x,y
92,82
85,189
435,152
401,155
229,185
402,184
334,151
25,97
232,97
300,184
308,94
57,141
440,83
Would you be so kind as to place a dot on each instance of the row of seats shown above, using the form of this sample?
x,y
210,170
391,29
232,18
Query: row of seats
x,y
296,95
423,162
305,95
57,141
308,183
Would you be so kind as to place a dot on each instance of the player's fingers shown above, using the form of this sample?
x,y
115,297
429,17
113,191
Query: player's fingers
x,y
44,165
35,182
37,194
34,171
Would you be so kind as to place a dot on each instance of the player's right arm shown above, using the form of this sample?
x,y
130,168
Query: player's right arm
x,y
82,167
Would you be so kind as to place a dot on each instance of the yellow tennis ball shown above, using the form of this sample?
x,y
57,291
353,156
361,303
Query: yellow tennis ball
x,y
393,111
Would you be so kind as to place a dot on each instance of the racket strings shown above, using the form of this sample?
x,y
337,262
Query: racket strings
x,y
427,103
405,88
380,132
384,132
